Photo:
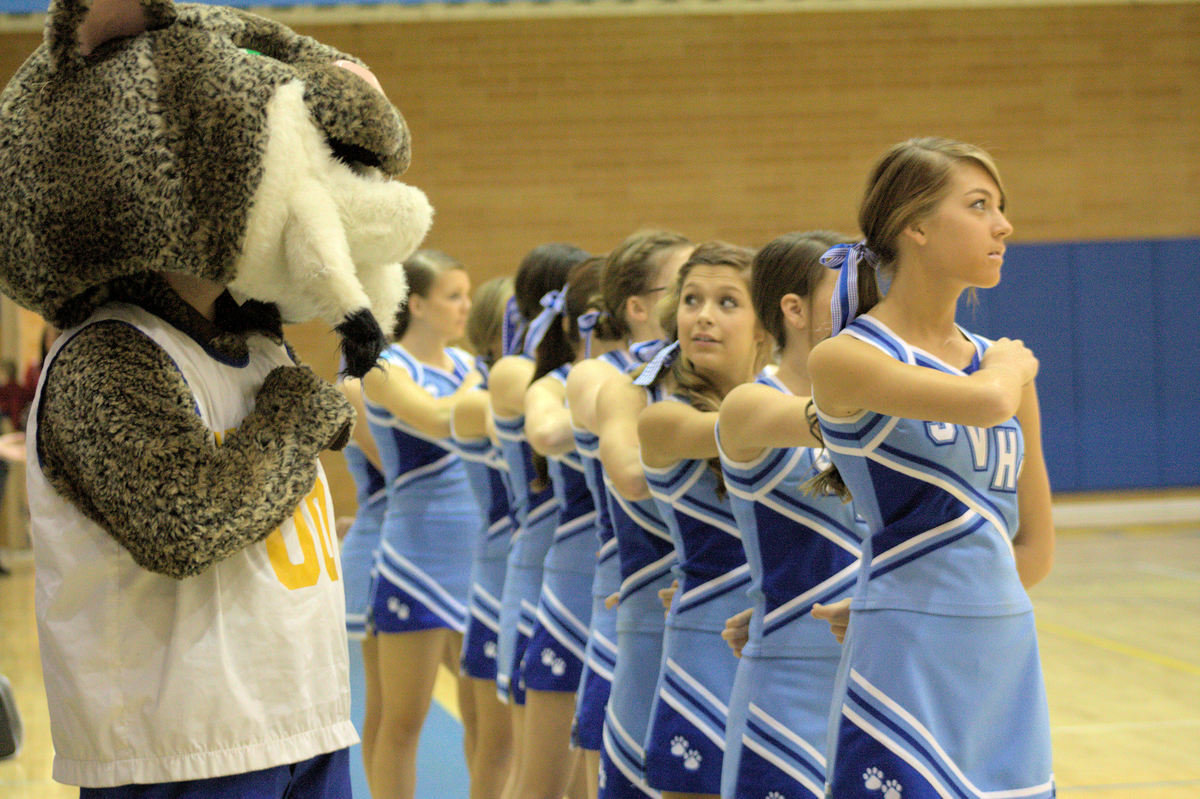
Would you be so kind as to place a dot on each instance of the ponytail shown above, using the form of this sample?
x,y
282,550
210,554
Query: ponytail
x,y
561,337
904,187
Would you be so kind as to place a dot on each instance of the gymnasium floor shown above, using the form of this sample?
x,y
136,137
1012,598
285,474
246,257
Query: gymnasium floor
x,y
1119,622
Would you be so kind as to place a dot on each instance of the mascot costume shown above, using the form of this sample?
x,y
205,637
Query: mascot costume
x,y
177,181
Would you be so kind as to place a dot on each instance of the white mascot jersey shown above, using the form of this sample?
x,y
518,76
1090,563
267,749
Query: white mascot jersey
x,y
152,679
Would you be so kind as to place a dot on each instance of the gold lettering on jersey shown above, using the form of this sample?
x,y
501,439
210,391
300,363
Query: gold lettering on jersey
x,y
316,509
294,575
308,571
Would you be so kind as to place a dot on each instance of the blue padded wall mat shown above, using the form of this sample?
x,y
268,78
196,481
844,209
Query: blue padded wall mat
x,y
1116,327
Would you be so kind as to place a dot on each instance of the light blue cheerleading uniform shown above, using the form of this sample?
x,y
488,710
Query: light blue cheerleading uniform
x,y
359,550
595,685
940,690
362,539
801,549
487,472
647,559
555,655
537,517
423,572
686,740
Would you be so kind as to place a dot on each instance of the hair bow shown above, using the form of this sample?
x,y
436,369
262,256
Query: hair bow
x,y
512,328
554,302
644,351
845,258
587,328
663,360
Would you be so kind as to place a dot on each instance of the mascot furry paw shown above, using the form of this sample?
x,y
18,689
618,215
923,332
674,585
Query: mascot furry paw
x,y
176,182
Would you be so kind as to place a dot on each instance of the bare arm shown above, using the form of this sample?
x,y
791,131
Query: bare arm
x,y
617,406
1033,544
393,388
547,420
671,432
351,389
850,376
471,415
584,382
507,383
755,418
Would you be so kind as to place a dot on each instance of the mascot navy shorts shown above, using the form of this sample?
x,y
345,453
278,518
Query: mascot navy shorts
x,y
321,777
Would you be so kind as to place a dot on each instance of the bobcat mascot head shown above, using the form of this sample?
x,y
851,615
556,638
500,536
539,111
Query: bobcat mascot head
x,y
146,137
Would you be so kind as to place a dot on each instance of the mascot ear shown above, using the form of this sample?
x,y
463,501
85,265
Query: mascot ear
x,y
75,29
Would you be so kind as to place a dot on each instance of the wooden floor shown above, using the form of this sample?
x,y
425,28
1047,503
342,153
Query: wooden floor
x,y
1119,623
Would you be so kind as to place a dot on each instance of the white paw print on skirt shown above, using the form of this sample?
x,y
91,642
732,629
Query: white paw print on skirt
x,y
874,780
489,650
774,795
557,666
602,777
399,608
680,747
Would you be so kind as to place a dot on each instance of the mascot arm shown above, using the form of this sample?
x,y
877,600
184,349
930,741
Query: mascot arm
x,y
119,436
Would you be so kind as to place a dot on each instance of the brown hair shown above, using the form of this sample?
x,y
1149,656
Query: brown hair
x,y
543,269
628,272
486,320
789,264
558,345
421,270
904,186
698,389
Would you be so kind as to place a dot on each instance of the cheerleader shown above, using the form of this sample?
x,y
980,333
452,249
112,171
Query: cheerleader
x,y
490,752
359,547
801,549
635,276
554,657
719,345
542,271
419,591
935,432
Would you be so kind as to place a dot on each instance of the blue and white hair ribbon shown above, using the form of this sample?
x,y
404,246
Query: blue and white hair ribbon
x,y
644,351
513,327
587,328
663,360
554,302
845,258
